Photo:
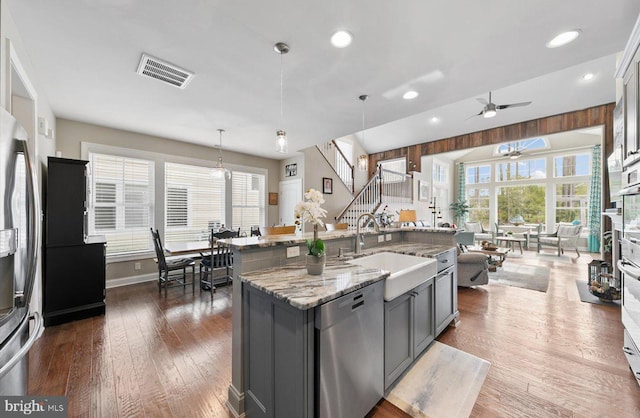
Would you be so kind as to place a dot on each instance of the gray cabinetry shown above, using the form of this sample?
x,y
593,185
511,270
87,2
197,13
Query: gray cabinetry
x,y
278,357
423,325
409,329
446,294
398,341
321,362
446,290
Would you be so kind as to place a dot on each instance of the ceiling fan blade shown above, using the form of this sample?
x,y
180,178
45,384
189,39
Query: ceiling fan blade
x,y
500,107
473,116
483,101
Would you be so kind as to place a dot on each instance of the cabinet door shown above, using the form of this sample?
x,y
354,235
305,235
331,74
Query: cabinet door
x,y
258,354
278,357
630,94
66,202
423,325
74,282
445,298
398,337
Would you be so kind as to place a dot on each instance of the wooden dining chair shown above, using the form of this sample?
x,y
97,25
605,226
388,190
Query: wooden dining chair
x,y
277,230
167,266
336,227
219,258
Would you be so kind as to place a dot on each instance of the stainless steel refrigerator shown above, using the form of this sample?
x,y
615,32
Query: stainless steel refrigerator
x,y
19,242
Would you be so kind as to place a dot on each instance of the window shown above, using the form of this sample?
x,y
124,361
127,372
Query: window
x,y
521,170
439,174
478,174
121,202
528,201
248,196
193,200
479,199
572,202
105,206
525,144
177,207
572,165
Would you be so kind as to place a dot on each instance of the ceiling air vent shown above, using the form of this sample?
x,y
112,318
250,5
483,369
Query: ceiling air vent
x,y
166,72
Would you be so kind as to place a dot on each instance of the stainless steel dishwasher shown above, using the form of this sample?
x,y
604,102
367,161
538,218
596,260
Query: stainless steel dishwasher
x,y
350,360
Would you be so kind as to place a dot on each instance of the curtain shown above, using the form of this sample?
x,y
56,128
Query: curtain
x,y
595,199
462,183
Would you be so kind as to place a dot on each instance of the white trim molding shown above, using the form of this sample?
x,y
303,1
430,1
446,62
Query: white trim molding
x,y
125,281
629,50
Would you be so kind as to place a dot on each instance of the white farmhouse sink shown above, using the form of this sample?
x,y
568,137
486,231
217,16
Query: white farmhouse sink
x,y
407,271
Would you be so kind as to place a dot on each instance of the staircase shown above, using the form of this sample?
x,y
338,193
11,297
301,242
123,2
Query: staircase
x,y
384,186
338,161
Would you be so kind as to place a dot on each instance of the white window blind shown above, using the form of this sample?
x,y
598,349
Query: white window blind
x,y
193,201
248,195
121,202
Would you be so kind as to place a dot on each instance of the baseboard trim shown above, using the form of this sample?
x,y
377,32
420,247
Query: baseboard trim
x,y
235,403
125,281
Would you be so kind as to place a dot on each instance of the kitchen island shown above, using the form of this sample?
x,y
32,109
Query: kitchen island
x,y
264,264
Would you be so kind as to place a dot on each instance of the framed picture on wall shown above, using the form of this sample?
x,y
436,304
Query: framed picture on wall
x,y
273,198
327,185
423,191
291,170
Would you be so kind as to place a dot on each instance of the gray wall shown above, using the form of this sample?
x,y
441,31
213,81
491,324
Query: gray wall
x,y
70,134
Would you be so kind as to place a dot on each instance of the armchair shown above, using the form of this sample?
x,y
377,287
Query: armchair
x,y
473,268
480,233
566,236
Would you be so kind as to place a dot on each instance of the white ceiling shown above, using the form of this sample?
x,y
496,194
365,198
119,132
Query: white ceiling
x,y
86,54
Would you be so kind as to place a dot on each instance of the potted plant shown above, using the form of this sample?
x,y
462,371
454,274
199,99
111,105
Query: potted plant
x,y
309,211
460,209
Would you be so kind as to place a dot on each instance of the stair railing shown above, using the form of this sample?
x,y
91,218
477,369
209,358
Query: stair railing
x,y
384,186
366,201
339,162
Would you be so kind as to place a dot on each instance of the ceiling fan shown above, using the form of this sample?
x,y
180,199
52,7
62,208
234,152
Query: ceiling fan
x,y
515,154
490,109
523,145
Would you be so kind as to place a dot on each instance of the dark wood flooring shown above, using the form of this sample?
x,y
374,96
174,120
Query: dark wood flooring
x,y
551,355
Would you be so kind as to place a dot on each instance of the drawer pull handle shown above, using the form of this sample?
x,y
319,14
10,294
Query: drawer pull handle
x,y
357,305
627,350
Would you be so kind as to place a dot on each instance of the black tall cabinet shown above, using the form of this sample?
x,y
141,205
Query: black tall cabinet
x,y
74,279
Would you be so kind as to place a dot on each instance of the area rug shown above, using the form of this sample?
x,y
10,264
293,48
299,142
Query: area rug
x,y
586,296
444,382
521,275
568,257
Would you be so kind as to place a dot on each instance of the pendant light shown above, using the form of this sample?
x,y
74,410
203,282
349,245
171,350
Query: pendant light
x,y
363,160
281,136
219,171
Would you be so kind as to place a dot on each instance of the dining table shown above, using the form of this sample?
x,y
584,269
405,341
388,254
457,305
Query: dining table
x,y
191,247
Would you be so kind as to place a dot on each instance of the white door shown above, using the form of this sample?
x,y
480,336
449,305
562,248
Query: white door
x,y
290,194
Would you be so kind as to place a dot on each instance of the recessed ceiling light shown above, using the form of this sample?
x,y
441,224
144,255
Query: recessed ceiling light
x,y
563,38
434,119
410,95
588,76
341,39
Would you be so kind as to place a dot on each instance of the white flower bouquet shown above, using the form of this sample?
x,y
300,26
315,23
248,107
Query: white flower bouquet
x,y
309,210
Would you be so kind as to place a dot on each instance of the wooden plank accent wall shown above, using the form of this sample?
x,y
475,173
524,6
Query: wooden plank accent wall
x,y
586,118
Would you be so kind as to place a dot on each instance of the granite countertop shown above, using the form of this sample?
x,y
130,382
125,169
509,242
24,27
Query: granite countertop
x,y
293,285
240,244
409,248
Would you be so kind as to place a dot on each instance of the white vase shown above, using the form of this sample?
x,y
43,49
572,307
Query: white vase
x,y
315,265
